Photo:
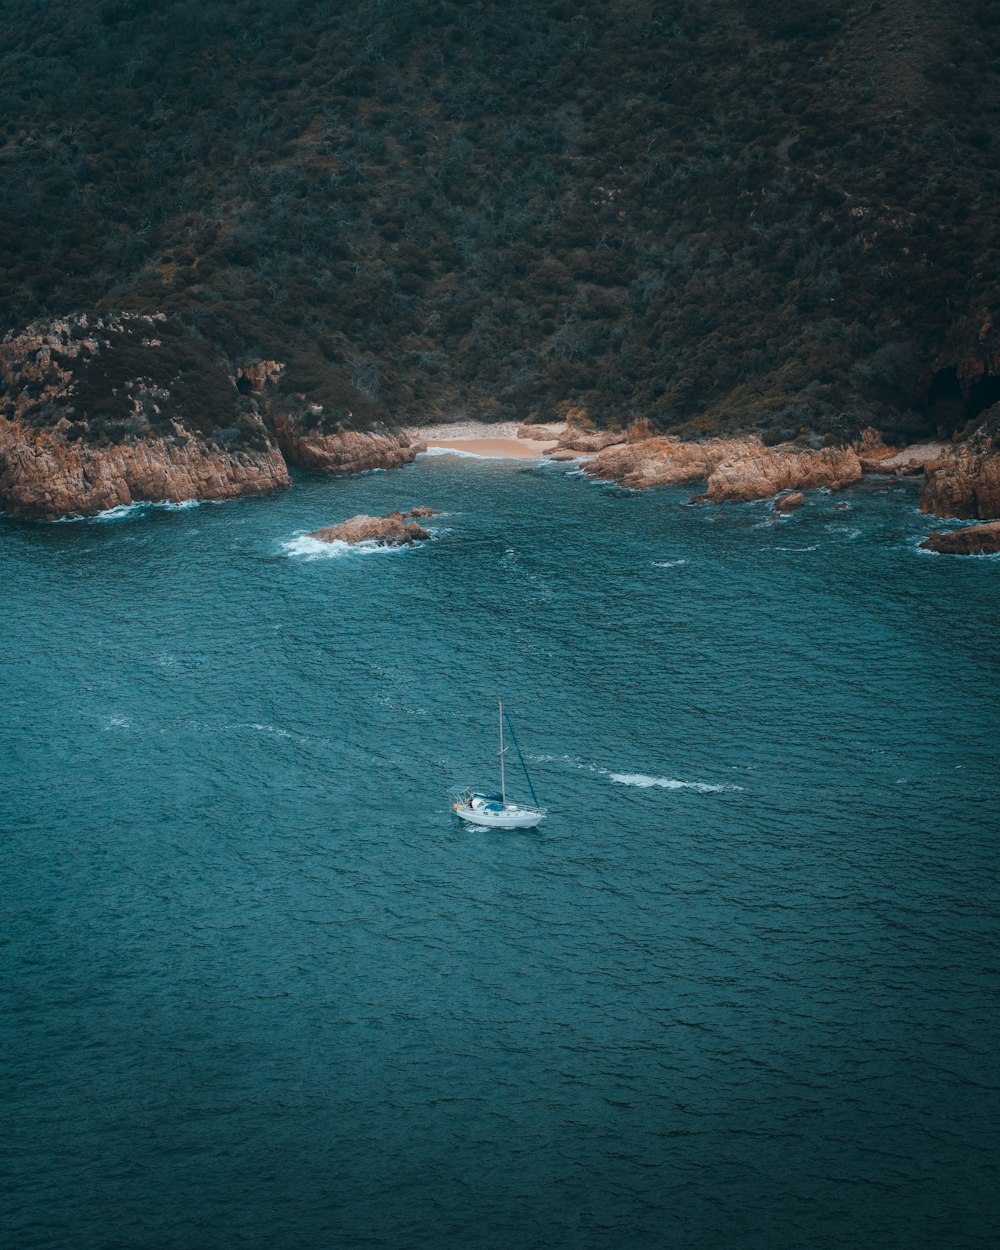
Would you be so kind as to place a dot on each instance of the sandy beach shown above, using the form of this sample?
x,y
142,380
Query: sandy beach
x,y
482,439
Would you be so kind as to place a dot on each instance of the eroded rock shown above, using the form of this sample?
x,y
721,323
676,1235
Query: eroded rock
x,y
788,503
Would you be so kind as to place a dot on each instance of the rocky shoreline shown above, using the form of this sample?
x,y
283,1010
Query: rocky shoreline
x,y
97,412
101,412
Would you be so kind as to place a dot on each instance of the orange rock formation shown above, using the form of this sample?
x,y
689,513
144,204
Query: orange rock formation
x,y
393,530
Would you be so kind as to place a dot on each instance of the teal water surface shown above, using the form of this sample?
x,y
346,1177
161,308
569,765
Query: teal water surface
x,y
260,989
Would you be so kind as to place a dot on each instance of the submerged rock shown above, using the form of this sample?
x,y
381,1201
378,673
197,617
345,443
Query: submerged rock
x,y
393,530
974,540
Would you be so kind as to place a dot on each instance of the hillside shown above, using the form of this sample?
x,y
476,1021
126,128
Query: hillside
x,y
713,215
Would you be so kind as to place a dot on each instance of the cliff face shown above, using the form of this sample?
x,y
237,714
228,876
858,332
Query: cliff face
x,y
349,451
45,477
965,481
101,411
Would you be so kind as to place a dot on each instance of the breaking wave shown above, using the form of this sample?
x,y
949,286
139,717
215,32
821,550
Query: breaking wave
x,y
306,548
452,451
124,511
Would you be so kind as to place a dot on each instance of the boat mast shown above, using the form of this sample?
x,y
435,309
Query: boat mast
x,y
503,780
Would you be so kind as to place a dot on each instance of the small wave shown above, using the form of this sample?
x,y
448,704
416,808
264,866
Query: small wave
x,y
117,722
667,564
850,532
306,548
140,507
814,547
264,729
666,783
453,451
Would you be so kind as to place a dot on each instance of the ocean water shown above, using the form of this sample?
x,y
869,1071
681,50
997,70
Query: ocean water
x,y
260,989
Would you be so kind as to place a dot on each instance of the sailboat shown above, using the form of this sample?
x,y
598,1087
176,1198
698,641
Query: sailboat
x,y
496,811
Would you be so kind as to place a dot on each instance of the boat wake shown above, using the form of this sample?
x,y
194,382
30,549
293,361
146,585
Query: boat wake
x,y
665,783
642,781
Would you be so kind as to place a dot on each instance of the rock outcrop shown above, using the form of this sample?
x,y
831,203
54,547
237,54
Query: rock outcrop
x,y
788,503
736,470
350,451
974,540
964,482
393,530
575,438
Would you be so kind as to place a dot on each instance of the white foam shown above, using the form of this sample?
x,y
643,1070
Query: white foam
x,y
123,511
667,564
667,783
307,548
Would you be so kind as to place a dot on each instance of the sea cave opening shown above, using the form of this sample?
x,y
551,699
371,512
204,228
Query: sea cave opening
x,y
947,404
945,391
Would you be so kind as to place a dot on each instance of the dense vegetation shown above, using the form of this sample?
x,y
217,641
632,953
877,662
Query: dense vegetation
x,y
713,214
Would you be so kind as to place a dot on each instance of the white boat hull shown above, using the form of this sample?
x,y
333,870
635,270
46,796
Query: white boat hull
x,y
494,816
